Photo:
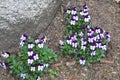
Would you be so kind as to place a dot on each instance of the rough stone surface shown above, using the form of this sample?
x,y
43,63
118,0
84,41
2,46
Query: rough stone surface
x,y
24,16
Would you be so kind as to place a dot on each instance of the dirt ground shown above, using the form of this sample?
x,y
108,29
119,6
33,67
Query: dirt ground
x,y
104,13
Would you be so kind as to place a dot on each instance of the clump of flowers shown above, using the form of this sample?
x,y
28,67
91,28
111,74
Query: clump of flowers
x,y
32,61
83,42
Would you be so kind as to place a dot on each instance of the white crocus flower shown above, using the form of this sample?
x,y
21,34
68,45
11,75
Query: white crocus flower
x,y
40,67
30,45
23,75
38,78
30,52
5,54
82,61
81,34
83,47
72,22
32,68
61,42
93,53
68,11
46,65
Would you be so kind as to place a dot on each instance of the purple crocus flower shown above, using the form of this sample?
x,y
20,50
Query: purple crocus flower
x,y
75,17
73,36
41,44
36,40
82,61
30,59
68,11
24,37
69,40
85,7
30,52
104,47
87,18
81,12
107,35
44,39
72,22
74,43
5,65
90,39
98,44
40,66
22,42
30,45
35,56
5,54
85,13
83,47
92,46
74,10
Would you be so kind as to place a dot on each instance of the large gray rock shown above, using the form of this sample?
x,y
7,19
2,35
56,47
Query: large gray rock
x,y
24,16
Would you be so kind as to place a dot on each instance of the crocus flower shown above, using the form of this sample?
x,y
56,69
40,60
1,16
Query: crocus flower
x,y
69,40
68,11
61,42
38,78
101,35
85,13
72,22
46,65
5,65
30,59
74,43
44,39
84,42
81,12
104,47
30,45
75,17
5,54
83,47
85,7
87,18
40,67
98,44
82,61
32,68
97,29
41,44
24,37
81,34
92,46
90,39
74,10
22,42
107,36
37,40
23,75
30,52
73,36
89,33
35,56
93,53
